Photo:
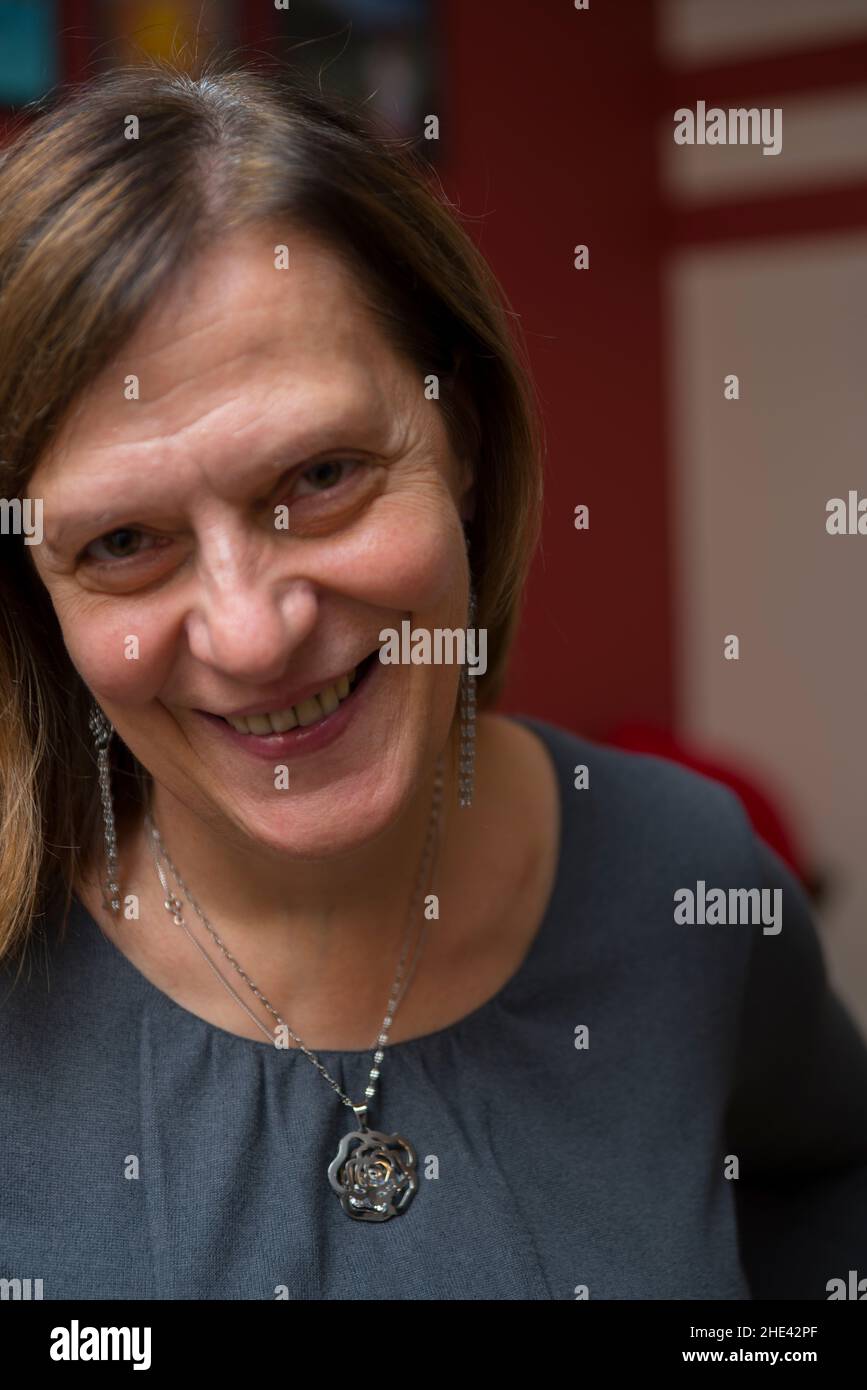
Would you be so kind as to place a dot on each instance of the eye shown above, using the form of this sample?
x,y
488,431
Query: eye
x,y
119,545
128,543
327,474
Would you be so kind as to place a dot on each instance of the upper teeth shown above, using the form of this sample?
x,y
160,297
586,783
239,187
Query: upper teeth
x,y
305,712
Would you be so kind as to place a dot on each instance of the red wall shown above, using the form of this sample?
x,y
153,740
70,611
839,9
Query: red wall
x,y
548,129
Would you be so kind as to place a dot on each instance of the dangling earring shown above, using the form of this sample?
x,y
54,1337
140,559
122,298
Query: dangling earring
x,y
468,719
102,731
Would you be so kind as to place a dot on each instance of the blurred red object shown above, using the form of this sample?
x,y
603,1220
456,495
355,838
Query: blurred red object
x,y
767,820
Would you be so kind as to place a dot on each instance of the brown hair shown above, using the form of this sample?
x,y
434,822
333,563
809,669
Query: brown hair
x,y
93,227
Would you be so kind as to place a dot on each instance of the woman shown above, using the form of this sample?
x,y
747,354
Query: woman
x,y
322,980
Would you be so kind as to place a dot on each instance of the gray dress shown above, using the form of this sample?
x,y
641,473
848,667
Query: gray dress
x,y
146,1153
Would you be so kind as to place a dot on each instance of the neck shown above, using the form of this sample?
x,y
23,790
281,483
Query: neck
x,y
355,902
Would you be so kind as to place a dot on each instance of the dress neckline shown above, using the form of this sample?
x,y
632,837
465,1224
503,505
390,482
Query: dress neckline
x,y
546,734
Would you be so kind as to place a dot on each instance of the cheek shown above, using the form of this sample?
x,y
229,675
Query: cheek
x,y
403,557
406,556
116,651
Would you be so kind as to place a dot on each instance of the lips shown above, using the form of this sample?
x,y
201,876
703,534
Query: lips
x,y
313,709
292,697
303,739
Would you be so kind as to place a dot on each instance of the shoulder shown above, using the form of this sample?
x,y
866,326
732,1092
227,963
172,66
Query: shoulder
x,y
644,807
639,836
41,988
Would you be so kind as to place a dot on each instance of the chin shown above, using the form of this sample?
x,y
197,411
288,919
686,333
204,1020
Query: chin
x,y
336,817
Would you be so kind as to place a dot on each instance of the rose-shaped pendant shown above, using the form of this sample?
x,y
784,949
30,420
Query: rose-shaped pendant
x,y
373,1174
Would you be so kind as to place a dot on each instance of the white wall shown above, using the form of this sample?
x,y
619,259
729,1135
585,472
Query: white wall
x,y
753,556
752,477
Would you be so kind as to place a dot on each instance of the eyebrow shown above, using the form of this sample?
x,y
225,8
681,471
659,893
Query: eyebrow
x,y
301,451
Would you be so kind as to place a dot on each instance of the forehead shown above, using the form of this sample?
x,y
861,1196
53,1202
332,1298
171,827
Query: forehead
x,y
260,292
232,336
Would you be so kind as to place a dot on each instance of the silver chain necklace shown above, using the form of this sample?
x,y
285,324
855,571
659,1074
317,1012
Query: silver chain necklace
x,y
373,1174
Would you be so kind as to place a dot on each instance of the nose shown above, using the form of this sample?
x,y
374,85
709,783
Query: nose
x,y
247,625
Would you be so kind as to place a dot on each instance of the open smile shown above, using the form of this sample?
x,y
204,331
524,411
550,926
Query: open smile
x,y
311,724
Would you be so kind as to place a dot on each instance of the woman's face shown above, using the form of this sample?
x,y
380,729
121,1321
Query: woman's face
x,y
253,489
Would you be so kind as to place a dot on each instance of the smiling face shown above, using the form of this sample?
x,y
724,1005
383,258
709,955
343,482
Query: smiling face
x,y
236,538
